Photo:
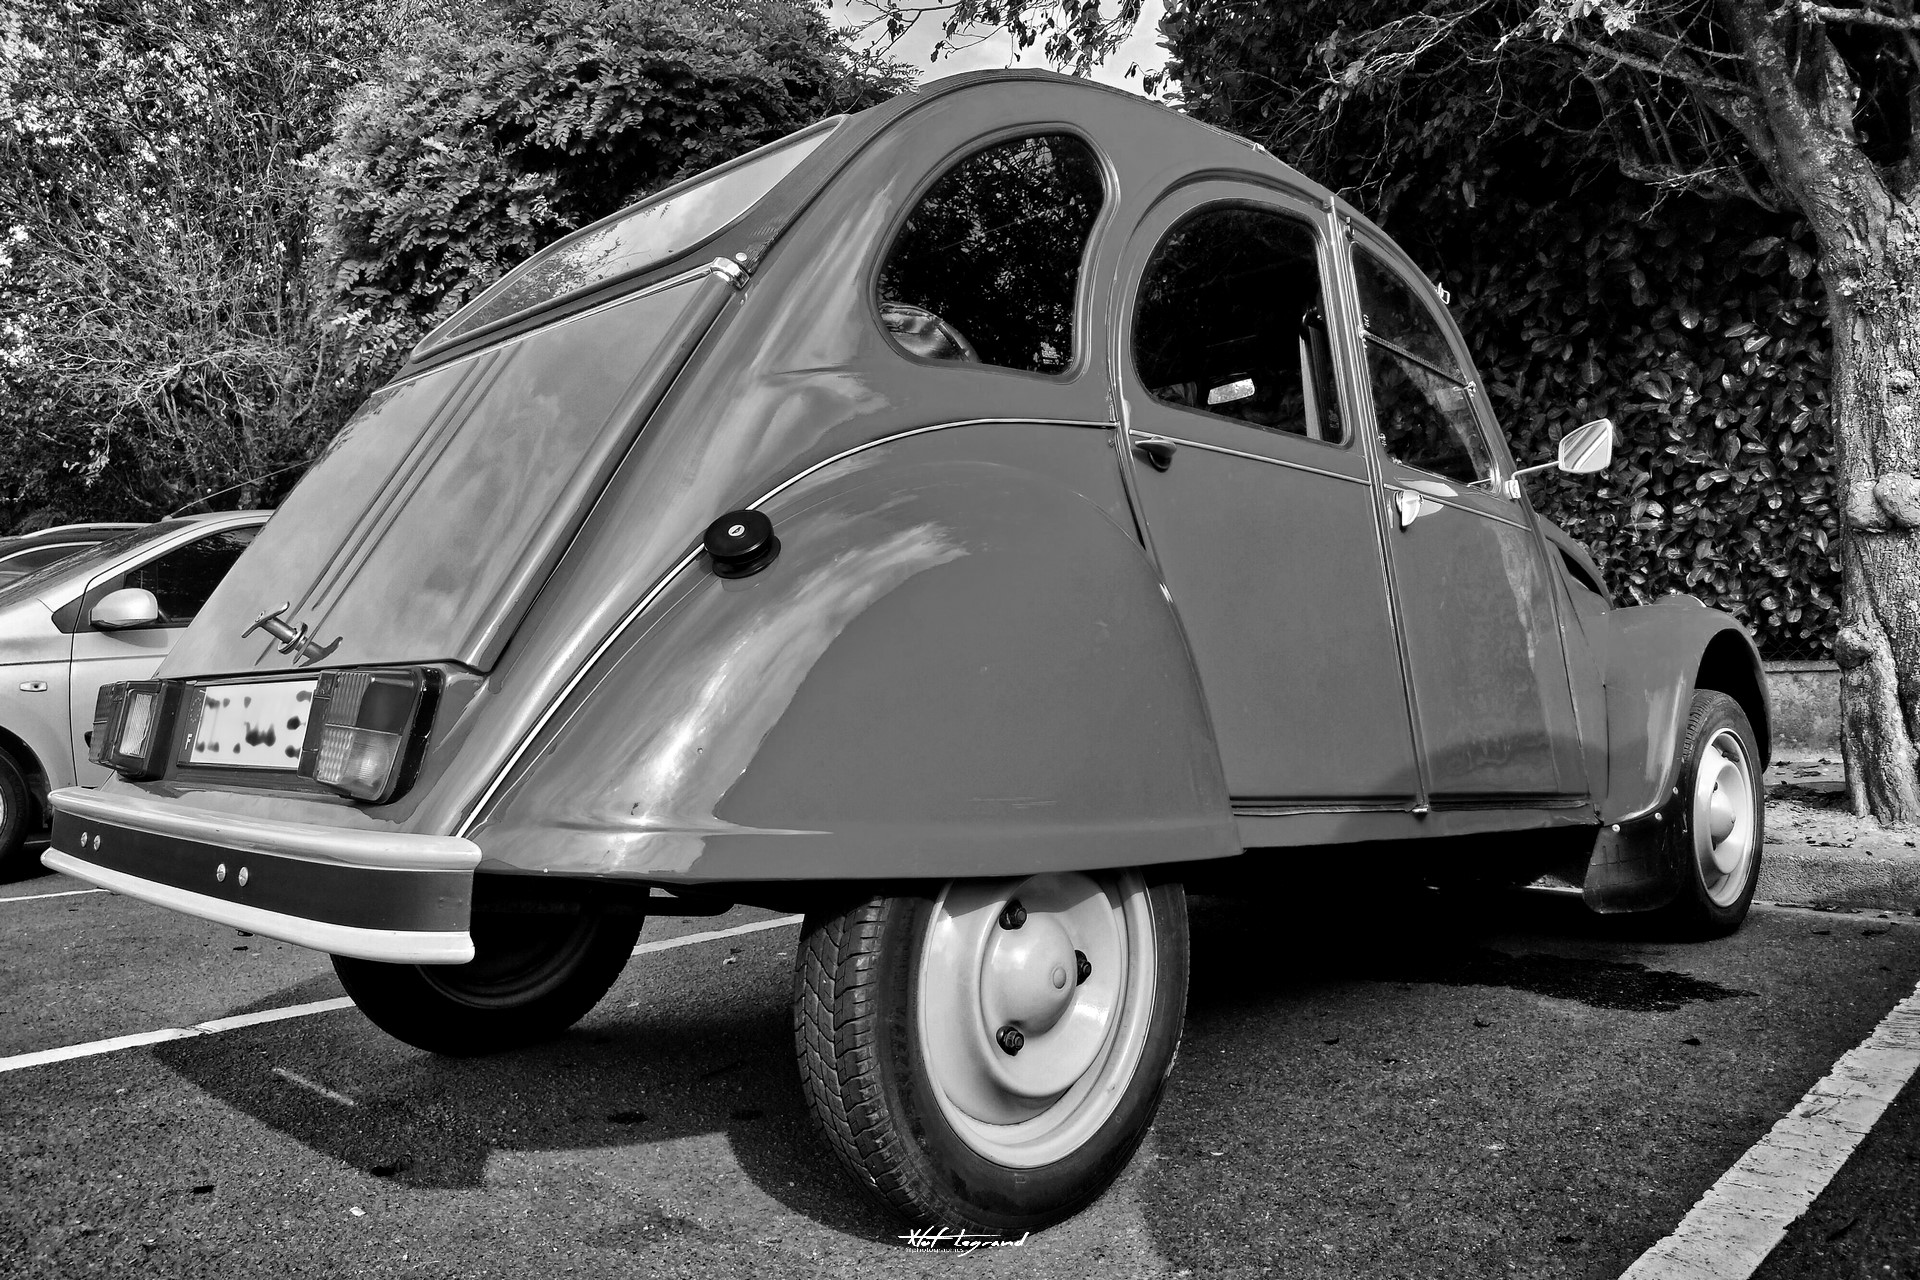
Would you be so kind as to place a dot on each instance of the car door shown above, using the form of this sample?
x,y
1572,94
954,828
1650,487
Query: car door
x,y
180,578
1256,500
1492,709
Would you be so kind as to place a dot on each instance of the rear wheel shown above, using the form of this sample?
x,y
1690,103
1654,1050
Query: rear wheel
x,y
533,975
17,821
1722,818
988,1057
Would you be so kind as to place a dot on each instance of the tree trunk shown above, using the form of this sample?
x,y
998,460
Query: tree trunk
x,y
1873,305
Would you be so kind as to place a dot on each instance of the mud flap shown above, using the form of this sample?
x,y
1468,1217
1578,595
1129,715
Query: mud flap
x,y
1634,867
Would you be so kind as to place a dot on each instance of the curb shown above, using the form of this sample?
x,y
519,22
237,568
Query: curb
x,y
1876,879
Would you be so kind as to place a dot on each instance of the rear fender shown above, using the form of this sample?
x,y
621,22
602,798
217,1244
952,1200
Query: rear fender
x,y
953,668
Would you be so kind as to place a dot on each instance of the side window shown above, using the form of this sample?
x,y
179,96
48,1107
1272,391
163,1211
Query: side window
x,y
1231,322
1419,393
182,579
988,263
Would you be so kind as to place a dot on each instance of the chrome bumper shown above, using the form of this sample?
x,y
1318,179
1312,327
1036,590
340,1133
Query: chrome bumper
x,y
375,895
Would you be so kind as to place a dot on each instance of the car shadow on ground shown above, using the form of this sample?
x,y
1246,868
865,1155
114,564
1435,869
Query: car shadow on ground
x,y
718,1059
432,1122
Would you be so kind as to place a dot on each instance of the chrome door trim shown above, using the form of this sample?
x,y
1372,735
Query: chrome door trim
x,y
1189,443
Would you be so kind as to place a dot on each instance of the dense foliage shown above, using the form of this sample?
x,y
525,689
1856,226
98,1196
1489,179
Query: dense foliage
x,y
159,338
1695,322
468,153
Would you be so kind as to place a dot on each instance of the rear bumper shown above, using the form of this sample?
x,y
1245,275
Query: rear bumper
x,y
375,895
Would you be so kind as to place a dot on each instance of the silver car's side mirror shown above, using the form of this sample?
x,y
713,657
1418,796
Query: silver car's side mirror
x,y
1584,450
127,607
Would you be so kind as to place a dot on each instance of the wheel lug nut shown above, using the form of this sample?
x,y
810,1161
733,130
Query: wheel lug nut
x,y
1082,966
1011,1040
1013,916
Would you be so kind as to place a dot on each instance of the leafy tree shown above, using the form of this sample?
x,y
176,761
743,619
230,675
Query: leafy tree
x,y
465,155
160,339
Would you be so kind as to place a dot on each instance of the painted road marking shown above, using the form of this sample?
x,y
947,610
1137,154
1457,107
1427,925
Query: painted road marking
x,y
1745,1215
320,1089
42,897
94,1048
758,926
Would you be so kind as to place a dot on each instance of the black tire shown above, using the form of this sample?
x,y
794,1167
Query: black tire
x,y
19,818
533,975
1719,740
859,998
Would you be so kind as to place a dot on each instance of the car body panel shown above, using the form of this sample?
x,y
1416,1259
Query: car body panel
x,y
890,697
456,490
1254,530
1484,657
1652,655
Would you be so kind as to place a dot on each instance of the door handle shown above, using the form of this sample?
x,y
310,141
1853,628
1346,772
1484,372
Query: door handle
x,y
1411,506
1157,453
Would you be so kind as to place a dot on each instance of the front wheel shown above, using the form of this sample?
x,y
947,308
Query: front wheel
x,y
989,1056
1722,818
533,975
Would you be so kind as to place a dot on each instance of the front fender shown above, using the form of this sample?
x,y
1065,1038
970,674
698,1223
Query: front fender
x,y
1656,656
953,668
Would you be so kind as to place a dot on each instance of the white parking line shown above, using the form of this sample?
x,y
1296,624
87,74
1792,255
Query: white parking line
x,y
668,944
42,897
94,1048
1740,1220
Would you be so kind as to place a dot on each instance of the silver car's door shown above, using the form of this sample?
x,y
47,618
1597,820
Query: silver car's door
x,y
1257,502
1489,678
180,578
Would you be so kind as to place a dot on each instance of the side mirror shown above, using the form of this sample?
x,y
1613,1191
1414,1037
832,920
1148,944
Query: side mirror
x,y
1584,450
1587,448
127,607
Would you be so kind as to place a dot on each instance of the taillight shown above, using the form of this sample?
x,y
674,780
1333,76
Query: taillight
x,y
363,741
132,726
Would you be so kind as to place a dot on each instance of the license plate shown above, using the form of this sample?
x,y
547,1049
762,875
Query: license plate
x,y
253,726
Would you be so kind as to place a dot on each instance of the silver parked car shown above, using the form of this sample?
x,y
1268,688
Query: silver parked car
x,y
85,621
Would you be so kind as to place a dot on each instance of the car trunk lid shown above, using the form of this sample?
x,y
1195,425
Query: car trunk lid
x,y
429,523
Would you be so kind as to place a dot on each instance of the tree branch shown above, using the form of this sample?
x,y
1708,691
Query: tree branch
x,y
1858,17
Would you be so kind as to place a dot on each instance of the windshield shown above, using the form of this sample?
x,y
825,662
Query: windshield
x,y
32,584
669,224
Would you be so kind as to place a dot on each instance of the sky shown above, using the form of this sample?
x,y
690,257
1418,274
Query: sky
x,y
1141,48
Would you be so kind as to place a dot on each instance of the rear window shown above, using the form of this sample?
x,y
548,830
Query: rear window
x,y
669,224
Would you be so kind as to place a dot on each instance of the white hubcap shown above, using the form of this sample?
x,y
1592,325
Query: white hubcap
x,y
1026,1057
1724,827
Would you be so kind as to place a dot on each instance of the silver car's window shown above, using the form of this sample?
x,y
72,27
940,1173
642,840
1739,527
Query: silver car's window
x,y
652,232
183,578
987,265
1420,397
1231,321
33,583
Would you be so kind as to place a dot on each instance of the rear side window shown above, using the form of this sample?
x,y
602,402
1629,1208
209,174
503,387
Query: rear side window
x,y
1231,322
987,266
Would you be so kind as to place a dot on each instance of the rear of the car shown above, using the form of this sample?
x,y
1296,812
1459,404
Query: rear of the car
x,y
268,776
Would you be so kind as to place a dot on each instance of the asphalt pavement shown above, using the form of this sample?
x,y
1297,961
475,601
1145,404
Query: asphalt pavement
x,y
1369,1087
